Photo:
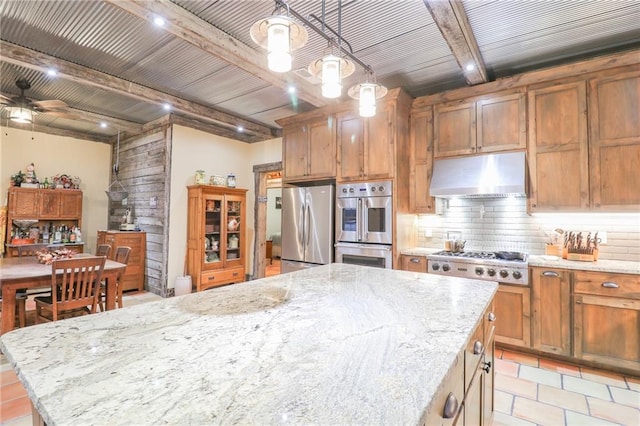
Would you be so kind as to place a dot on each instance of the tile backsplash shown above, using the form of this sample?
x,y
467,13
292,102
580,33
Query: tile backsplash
x,y
503,224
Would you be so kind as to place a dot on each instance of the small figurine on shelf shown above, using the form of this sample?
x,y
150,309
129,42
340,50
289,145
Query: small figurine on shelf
x,y
30,176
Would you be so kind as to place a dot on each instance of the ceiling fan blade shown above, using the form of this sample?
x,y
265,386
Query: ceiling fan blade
x,y
61,114
5,97
50,104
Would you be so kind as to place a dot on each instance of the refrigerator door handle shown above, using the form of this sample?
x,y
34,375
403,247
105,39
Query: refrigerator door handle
x,y
302,227
307,230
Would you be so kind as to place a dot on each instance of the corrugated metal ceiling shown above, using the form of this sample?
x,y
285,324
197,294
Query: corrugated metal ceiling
x,y
398,39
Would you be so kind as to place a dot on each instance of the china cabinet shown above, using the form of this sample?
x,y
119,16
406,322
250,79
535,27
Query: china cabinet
x,y
216,243
49,207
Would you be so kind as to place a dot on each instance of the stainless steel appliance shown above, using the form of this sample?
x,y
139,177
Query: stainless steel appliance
x,y
364,223
504,267
364,212
307,227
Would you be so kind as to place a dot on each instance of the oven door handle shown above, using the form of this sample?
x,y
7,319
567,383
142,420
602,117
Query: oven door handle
x,y
365,220
359,220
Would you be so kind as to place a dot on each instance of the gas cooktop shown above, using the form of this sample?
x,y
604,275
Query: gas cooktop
x,y
502,266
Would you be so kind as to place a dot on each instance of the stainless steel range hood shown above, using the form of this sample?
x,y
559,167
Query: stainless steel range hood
x,y
480,176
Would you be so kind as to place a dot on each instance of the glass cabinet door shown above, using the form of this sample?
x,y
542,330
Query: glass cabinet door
x,y
213,232
233,226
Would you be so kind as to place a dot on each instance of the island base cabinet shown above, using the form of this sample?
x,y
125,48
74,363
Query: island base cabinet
x,y
447,407
512,307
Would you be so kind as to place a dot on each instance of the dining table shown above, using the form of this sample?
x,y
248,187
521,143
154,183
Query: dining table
x,y
23,273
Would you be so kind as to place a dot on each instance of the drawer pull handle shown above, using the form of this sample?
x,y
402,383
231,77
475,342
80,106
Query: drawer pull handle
x,y
212,277
492,316
550,274
610,284
235,274
450,407
414,260
477,347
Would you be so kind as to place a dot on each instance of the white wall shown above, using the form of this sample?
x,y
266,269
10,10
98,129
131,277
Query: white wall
x,y
90,161
196,150
505,225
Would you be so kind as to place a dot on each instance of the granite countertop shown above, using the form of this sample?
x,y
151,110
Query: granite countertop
x,y
333,344
601,265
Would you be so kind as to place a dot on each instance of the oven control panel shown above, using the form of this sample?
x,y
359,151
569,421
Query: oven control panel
x,y
365,189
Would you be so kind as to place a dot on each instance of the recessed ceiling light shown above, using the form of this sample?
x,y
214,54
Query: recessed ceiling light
x,y
470,67
167,107
103,125
52,72
291,89
159,21
240,129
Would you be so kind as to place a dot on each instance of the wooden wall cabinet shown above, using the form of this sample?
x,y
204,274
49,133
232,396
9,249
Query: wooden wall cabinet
x,y
365,146
513,308
493,123
216,235
551,325
134,275
421,162
56,206
607,318
413,263
558,152
309,149
614,142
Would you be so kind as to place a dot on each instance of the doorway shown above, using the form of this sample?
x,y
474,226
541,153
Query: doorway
x,y
266,177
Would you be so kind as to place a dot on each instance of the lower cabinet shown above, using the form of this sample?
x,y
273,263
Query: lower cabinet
x,y
513,307
551,326
134,274
413,263
607,318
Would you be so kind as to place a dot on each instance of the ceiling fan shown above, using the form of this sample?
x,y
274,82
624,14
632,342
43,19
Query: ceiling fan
x,y
22,109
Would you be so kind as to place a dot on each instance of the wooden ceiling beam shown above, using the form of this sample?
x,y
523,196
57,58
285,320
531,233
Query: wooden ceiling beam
x,y
78,114
21,56
190,28
452,21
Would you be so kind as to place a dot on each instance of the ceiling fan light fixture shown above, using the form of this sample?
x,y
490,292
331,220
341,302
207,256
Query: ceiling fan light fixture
x,y
20,114
280,35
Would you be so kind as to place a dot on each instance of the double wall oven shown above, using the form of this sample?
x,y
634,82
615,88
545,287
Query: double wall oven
x,y
364,223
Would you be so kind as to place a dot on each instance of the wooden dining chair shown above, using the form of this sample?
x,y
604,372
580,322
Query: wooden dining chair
x,y
103,250
75,285
30,249
121,256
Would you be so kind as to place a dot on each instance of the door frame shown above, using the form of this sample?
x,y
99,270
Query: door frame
x,y
260,173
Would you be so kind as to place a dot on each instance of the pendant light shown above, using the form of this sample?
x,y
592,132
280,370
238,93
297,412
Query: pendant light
x,y
367,92
331,69
280,35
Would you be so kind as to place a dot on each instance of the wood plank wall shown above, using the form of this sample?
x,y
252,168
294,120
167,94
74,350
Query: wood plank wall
x,y
144,172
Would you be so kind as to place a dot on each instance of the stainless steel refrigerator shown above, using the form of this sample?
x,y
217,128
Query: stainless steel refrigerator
x,y
307,227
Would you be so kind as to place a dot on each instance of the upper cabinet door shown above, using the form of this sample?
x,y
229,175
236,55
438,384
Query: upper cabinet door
x,y
558,152
71,205
49,204
295,141
322,148
379,155
23,203
421,162
502,123
351,146
454,127
614,142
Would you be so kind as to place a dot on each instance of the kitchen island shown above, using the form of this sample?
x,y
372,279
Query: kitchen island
x,y
333,344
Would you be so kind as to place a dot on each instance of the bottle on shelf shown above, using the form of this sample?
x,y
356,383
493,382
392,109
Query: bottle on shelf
x,y
57,238
45,234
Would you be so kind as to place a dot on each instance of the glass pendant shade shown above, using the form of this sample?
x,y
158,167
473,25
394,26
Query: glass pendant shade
x,y
331,82
279,45
21,115
367,100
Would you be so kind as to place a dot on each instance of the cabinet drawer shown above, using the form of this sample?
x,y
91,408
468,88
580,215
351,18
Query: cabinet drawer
x,y
603,284
414,263
473,353
226,276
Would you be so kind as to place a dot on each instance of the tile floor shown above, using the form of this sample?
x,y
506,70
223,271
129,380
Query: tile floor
x,y
529,391
273,268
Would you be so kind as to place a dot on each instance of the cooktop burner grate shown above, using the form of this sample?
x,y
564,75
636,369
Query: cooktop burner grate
x,y
489,255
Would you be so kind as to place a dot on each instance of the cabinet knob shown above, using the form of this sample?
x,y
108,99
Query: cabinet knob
x,y
477,347
492,316
487,366
414,260
450,406
550,274
610,284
